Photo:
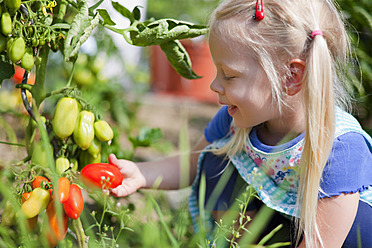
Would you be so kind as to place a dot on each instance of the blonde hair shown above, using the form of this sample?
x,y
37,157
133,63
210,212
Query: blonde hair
x,y
283,35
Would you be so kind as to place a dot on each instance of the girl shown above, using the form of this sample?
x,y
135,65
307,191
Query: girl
x,y
282,128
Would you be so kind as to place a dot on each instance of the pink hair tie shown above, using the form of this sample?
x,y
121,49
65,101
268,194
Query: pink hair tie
x,y
316,32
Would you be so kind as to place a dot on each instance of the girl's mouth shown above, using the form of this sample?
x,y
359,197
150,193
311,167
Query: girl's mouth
x,y
232,109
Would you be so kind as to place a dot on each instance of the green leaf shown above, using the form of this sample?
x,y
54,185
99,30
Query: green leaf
x,y
93,7
146,137
106,17
6,68
164,30
123,11
81,28
179,59
136,13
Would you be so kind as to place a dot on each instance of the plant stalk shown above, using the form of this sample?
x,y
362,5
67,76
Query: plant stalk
x,y
79,230
38,90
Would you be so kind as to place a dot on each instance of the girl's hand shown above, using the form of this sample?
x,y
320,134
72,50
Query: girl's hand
x,y
133,178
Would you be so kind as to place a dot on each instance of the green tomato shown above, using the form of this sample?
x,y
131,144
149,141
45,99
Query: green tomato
x,y
65,117
2,43
37,203
103,131
8,215
95,148
6,24
74,164
39,155
17,50
12,5
84,129
9,44
83,76
86,158
62,164
27,61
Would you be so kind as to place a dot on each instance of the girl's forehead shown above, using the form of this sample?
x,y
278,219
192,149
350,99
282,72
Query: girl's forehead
x,y
231,55
230,45
234,31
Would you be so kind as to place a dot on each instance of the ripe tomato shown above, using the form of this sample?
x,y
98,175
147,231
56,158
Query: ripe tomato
x,y
75,202
63,189
101,175
25,196
40,181
18,76
56,228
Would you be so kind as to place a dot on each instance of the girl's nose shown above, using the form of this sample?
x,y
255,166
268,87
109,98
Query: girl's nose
x,y
216,87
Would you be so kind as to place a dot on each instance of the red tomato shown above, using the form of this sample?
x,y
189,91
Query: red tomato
x,y
18,76
55,230
63,189
25,196
101,175
39,181
75,202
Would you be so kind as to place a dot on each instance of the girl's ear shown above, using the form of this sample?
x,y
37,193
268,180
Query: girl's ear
x,y
293,84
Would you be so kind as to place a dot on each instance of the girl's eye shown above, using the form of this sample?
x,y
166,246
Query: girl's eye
x,y
229,78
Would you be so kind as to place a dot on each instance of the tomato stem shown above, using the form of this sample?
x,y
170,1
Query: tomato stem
x,y
25,86
79,230
59,91
38,91
62,11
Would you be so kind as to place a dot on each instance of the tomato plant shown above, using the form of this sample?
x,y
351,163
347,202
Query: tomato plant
x,y
63,139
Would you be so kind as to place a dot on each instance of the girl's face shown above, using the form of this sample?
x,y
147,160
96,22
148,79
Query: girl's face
x,y
241,84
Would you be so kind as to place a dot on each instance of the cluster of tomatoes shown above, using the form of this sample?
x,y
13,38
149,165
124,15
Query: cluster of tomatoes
x,y
78,135
25,27
41,198
75,139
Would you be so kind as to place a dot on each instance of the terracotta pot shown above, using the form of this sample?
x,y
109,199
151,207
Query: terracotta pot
x,y
165,80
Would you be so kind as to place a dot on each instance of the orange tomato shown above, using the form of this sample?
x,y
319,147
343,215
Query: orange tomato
x,y
63,189
56,228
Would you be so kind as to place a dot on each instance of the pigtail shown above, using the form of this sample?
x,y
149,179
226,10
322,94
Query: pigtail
x,y
320,126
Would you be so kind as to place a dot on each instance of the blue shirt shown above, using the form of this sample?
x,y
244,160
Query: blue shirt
x,y
349,166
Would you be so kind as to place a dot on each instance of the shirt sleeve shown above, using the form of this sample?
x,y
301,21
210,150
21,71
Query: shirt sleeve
x,y
349,166
219,126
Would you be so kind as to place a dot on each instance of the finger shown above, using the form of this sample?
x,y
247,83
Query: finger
x,y
119,192
113,160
